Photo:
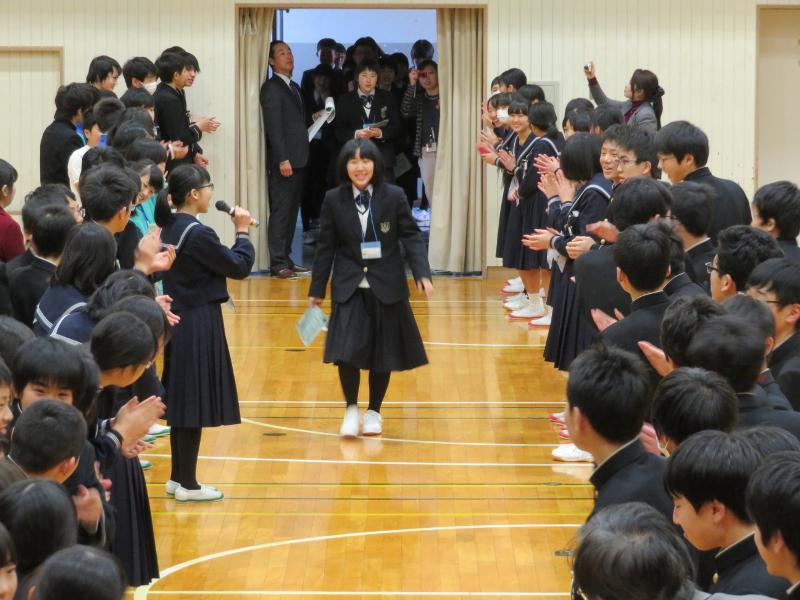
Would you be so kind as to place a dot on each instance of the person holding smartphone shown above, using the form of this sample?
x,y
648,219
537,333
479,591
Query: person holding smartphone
x,y
642,105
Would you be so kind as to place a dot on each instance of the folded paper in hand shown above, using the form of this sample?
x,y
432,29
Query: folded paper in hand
x,y
328,114
310,324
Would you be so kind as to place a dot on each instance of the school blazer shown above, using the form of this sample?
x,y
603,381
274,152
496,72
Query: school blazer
x,y
731,206
644,117
28,285
58,143
284,123
339,246
785,366
350,116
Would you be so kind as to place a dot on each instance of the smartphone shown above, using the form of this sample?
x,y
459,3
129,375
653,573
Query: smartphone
x,y
483,149
587,67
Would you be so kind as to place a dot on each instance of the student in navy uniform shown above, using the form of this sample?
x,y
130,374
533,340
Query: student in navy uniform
x,y
777,283
198,375
368,105
707,477
776,483
740,249
679,283
363,223
52,227
607,401
60,139
682,154
776,210
692,209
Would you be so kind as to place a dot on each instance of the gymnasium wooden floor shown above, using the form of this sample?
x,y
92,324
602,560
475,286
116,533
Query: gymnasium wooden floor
x,y
459,499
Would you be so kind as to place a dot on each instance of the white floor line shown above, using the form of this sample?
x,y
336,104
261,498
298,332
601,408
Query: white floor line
x,y
355,594
143,592
407,441
402,463
464,345
412,402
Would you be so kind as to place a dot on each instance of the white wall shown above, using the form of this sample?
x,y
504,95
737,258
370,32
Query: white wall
x,y
704,53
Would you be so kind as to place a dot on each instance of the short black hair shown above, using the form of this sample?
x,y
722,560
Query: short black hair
x,y
48,361
8,555
398,57
780,276
118,285
677,256
49,194
13,335
75,97
580,158
693,206
780,201
640,142
683,317
642,253
768,440
423,64
47,433
81,572
689,400
326,43
365,149
138,67
146,149
89,257
773,499
639,200
122,137
530,91
712,465
8,174
107,112
122,340
680,138
580,120
366,65
542,115
740,248
422,49
632,551
101,67
40,517
730,346
149,311
583,104
518,105
515,77
606,116
51,227
499,99
171,63
611,388
5,374
137,98
756,312
105,191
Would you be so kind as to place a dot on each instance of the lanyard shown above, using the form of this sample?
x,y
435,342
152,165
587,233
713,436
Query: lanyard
x,y
372,222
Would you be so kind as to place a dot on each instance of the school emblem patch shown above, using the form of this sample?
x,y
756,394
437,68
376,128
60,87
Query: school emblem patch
x,y
385,226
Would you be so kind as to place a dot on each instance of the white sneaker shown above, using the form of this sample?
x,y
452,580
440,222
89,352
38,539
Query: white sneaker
x,y
544,321
534,309
514,288
204,494
158,430
516,302
172,486
373,422
514,280
351,422
571,453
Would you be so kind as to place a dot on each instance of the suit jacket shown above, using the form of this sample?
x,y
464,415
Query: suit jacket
x,y
755,409
339,246
172,118
596,277
59,141
790,248
307,85
696,259
631,475
284,123
644,117
730,206
785,367
681,285
777,399
28,285
350,116
741,570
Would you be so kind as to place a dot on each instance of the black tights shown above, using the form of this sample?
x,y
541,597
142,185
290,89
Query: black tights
x,y
185,445
350,378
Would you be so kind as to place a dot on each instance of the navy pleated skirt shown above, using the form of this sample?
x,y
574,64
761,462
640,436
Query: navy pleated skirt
x,y
570,333
367,334
198,374
533,214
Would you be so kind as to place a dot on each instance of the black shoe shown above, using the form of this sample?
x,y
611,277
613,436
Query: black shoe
x,y
300,269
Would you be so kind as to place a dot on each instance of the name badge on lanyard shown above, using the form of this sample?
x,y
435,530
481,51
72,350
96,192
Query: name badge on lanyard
x,y
370,250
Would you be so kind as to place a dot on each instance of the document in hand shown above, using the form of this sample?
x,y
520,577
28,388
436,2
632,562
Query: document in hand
x,y
310,324
328,114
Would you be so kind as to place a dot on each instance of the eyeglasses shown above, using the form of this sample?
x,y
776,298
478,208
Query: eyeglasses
x,y
626,161
208,185
710,268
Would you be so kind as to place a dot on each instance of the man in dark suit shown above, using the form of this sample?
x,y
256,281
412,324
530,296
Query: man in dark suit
x,y
287,156
679,284
607,400
776,210
358,112
707,477
683,154
60,139
52,225
692,208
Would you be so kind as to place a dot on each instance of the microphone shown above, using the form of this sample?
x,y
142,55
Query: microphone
x,y
223,206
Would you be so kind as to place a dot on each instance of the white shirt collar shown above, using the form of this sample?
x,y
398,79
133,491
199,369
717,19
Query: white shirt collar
x,y
703,241
613,454
736,543
792,589
362,94
357,192
286,79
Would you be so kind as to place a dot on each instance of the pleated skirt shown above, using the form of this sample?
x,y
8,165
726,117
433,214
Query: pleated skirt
x,y
570,333
533,213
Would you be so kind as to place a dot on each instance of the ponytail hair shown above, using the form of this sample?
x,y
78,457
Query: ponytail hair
x,y
180,183
647,81
542,115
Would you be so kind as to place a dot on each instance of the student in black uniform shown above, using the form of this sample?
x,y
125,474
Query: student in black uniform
x,y
80,572
198,374
777,283
604,117
107,194
776,210
707,478
363,223
8,570
679,283
740,249
636,154
682,154
692,208
607,401
776,483
140,74
367,105
103,74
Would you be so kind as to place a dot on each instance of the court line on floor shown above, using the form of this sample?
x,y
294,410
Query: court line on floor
x,y
433,344
356,594
142,592
414,403
392,515
401,463
304,301
301,484
400,440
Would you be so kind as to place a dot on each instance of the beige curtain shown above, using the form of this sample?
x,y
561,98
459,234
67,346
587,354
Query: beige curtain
x,y
255,29
457,208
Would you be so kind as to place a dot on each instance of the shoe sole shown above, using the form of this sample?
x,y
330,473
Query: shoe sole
x,y
572,460
538,324
200,500
521,318
158,435
365,434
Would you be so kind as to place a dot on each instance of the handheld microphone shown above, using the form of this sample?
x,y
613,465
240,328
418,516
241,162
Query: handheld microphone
x,y
223,206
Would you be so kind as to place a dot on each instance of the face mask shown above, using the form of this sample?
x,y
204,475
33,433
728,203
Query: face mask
x,y
502,115
151,87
